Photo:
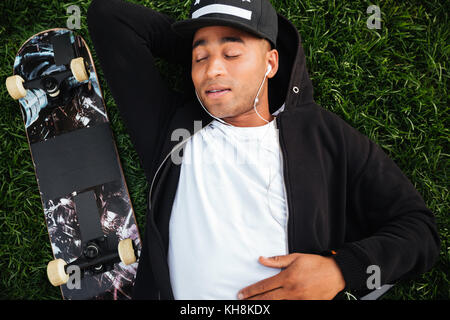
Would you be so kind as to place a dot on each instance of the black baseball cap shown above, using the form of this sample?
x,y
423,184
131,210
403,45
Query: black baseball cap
x,y
257,17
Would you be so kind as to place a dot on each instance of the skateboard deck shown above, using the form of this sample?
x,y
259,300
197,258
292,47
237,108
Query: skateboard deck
x,y
84,196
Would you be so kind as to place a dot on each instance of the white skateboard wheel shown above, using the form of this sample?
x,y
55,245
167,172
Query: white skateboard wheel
x,y
126,251
14,85
56,273
78,69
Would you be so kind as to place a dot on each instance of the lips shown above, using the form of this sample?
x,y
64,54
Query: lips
x,y
216,91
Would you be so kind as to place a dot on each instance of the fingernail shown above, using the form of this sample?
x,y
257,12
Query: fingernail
x,y
240,296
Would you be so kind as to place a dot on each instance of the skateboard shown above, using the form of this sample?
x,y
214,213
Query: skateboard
x,y
87,209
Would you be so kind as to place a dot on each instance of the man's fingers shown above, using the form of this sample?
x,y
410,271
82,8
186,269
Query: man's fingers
x,y
261,286
278,261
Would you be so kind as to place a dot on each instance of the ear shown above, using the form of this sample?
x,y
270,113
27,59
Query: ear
x,y
272,60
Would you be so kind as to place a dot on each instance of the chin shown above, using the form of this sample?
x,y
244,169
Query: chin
x,y
219,111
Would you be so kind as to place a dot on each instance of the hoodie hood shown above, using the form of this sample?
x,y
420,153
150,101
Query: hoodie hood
x,y
291,85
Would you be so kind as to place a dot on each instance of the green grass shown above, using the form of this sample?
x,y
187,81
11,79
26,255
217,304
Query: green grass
x,y
391,84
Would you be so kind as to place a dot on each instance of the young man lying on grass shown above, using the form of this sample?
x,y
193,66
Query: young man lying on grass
x,y
268,195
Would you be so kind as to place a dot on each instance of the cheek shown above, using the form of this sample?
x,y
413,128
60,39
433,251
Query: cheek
x,y
194,77
244,82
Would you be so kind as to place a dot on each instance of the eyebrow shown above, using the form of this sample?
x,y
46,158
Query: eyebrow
x,y
202,42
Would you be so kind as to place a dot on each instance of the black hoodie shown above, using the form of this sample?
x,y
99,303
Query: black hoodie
x,y
343,192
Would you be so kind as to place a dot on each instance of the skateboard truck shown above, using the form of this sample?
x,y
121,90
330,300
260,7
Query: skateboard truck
x,y
96,258
17,86
64,54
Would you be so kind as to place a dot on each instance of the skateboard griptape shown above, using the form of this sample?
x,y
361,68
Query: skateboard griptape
x,y
88,216
75,161
63,49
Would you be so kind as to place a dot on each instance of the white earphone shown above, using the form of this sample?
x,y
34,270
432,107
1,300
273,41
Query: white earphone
x,y
269,68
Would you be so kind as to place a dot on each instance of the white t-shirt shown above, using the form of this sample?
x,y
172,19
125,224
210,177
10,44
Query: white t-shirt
x,y
229,209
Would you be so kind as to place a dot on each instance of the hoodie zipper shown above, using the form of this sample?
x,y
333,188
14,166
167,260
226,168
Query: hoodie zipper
x,y
290,223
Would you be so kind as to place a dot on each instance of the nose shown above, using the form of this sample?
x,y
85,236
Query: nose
x,y
215,67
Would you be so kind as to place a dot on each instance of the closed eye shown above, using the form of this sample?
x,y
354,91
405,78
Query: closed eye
x,y
226,56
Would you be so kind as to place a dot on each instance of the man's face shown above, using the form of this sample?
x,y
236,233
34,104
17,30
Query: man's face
x,y
233,61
